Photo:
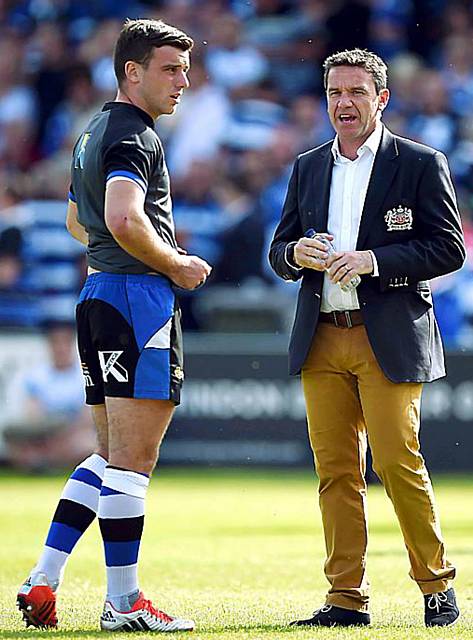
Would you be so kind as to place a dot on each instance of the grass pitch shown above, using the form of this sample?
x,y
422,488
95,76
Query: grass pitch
x,y
241,552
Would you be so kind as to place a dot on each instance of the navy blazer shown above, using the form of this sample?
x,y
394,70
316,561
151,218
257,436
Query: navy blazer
x,y
410,220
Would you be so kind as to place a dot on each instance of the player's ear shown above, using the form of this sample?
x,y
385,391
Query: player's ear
x,y
133,71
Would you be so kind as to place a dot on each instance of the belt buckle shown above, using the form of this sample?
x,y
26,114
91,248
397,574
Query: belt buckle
x,y
348,319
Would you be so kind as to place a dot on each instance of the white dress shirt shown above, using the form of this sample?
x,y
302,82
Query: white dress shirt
x,y
350,179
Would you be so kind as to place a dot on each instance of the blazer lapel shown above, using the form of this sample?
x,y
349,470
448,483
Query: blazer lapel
x,y
384,169
321,179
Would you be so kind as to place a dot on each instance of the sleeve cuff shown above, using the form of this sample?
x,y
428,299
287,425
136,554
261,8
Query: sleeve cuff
x,y
289,262
375,273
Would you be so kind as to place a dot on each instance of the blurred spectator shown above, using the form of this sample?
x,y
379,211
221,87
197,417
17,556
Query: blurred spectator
x,y
310,123
242,238
16,307
457,74
348,24
388,35
256,100
97,52
17,101
433,124
49,61
41,265
10,257
13,218
72,114
200,124
53,427
17,109
54,261
231,62
404,72
296,67
461,159
197,214
256,112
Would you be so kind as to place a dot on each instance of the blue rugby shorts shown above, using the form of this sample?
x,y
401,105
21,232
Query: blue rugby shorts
x,y
129,337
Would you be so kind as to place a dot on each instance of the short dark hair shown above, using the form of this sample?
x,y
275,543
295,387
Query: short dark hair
x,y
138,38
367,60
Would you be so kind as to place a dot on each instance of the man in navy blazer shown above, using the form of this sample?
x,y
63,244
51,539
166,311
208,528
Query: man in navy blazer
x,y
388,206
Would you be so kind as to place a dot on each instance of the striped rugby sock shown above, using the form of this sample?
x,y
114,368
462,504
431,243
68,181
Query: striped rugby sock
x,y
75,511
121,517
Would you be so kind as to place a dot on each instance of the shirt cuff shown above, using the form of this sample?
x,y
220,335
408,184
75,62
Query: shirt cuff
x,y
375,273
291,264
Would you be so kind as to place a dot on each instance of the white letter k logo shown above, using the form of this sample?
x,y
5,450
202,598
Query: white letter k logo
x,y
110,366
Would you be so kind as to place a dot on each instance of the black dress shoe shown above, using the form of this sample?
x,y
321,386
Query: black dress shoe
x,y
331,616
441,609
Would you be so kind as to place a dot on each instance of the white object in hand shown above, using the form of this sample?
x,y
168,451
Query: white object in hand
x,y
355,281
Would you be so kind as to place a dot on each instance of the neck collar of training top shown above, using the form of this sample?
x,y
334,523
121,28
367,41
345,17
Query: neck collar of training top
x,y
109,106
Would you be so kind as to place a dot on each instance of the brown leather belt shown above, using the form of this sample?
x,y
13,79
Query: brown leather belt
x,y
342,319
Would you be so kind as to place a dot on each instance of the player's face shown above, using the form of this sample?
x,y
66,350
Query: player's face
x,y
353,103
163,81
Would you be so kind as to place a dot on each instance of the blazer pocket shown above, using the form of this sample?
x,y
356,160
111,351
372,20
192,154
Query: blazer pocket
x,y
425,295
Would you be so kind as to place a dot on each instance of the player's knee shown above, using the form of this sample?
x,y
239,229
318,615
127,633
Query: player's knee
x,y
142,459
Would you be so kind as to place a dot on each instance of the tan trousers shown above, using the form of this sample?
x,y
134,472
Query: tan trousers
x,y
348,399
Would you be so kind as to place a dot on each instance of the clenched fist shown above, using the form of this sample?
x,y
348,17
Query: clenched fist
x,y
190,272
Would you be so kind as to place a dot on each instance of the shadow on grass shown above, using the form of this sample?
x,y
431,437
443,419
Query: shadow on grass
x,y
95,633
231,630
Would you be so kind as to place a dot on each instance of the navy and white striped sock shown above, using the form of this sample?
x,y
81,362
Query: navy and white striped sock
x,y
121,517
75,511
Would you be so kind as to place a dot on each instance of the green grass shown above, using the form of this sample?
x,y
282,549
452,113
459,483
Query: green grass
x,y
239,551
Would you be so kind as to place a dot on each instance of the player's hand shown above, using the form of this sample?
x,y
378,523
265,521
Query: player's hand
x,y
190,272
344,265
311,253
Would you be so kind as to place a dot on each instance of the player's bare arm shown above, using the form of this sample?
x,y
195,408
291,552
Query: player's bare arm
x,y
73,225
132,229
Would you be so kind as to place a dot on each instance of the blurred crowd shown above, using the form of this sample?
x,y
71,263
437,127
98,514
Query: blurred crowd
x,y
256,100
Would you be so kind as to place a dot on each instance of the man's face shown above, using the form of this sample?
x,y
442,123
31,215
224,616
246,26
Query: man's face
x,y
162,82
353,104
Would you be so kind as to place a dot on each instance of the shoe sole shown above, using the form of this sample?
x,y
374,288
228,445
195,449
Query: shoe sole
x,y
298,623
127,628
437,626
30,616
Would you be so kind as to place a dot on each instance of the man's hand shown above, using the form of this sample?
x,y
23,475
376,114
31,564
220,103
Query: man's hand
x,y
343,265
311,253
190,272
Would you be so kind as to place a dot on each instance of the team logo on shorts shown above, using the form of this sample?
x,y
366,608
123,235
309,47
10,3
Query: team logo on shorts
x,y
178,373
111,367
86,373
